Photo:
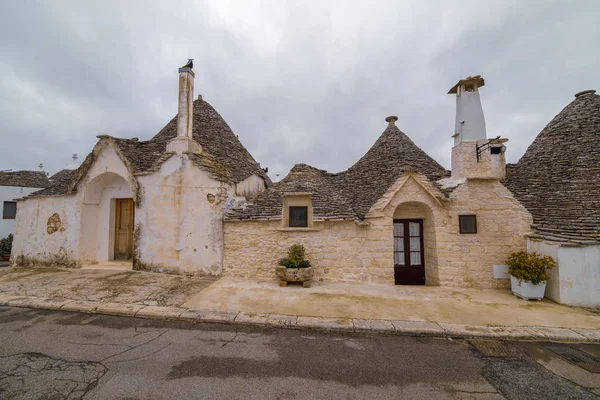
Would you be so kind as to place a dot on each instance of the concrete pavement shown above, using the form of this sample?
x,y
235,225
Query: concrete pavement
x,y
55,354
421,311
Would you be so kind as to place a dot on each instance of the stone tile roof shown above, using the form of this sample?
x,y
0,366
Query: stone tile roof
x,y
392,154
59,183
33,179
223,155
327,201
352,193
558,177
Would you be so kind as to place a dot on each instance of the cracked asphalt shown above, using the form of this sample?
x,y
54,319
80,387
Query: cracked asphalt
x,y
62,355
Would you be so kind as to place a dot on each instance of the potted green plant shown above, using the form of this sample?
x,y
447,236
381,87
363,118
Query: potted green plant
x,y
295,267
5,247
529,274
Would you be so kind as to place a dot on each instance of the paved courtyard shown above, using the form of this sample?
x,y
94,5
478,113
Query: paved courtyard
x,y
341,306
389,302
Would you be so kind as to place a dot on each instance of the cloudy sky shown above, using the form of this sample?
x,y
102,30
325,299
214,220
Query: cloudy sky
x,y
298,81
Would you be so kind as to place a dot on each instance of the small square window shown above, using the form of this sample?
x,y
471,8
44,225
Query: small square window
x,y
298,217
467,223
9,211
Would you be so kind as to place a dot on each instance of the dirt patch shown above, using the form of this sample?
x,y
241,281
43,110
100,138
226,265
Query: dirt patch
x,y
130,287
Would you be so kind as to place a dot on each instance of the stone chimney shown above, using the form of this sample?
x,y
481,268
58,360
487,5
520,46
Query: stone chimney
x,y
474,156
184,142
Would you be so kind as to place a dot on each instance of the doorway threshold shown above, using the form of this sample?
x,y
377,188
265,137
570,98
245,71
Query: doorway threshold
x,y
111,265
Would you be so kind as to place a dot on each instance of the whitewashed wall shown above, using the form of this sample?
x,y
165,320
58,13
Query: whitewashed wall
x,y
576,280
10,193
180,219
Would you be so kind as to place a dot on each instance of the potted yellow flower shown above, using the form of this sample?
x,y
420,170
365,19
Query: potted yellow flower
x,y
529,274
295,267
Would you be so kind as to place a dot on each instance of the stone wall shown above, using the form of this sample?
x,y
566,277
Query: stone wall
x,y
347,251
465,165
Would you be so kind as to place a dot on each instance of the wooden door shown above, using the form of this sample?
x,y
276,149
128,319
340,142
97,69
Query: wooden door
x,y
124,229
409,260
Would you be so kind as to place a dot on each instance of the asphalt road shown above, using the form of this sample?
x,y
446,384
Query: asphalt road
x,y
61,355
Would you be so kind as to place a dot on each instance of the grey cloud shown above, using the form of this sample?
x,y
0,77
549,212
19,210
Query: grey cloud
x,y
298,83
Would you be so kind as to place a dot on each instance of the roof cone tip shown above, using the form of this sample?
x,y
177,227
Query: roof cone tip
x,y
584,93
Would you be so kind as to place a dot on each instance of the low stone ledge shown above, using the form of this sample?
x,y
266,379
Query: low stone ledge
x,y
19,301
119,309
282,320
515,332
373,325
202,315
251,318
468,331
337,324
419,328
48,304
561,334
591,335
80,306
4,299
160,312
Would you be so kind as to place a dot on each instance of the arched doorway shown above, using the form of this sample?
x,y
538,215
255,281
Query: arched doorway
x,y
415,250
107,219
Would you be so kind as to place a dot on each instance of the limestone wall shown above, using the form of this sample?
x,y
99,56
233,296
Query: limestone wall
x,y
344,250
465,165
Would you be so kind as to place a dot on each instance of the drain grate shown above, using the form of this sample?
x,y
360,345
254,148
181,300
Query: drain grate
x,y
490,348
576,357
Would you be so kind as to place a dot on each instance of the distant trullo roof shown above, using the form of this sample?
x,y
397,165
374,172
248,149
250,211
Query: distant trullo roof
x,y
33,179
223,156
558,178
352,193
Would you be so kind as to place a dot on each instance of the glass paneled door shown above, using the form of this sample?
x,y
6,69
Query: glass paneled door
x,y
409,261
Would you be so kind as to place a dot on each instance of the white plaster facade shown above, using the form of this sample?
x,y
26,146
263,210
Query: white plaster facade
x,y
576,279
178,217
11,193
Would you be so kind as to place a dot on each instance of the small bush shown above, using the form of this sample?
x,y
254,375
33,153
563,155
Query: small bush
x,y
6,244
295,257
530,266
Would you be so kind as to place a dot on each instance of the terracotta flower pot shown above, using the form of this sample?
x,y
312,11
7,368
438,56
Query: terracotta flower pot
x,y
286,275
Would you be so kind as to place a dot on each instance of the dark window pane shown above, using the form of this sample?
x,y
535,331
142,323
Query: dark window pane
x,y
9,211
299,217
468,223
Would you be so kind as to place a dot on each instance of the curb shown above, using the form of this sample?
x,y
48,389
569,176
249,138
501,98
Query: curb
x,y
389,327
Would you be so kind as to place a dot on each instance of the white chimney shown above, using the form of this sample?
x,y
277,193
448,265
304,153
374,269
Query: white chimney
x,y
184,142
474,156
470,123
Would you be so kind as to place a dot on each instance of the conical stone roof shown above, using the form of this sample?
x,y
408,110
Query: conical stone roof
x,y
223,155
393,153
352,193
558,178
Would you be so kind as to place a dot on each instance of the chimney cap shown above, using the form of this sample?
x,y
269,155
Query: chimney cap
x,y
391,119
585,92
470,81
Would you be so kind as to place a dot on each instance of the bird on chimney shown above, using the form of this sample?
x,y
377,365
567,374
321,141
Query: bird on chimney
x,y
190,63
